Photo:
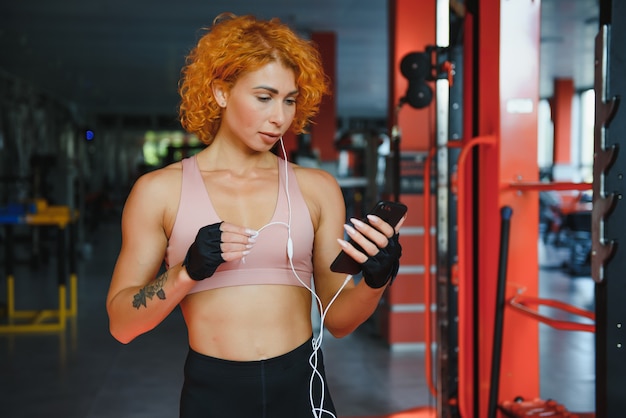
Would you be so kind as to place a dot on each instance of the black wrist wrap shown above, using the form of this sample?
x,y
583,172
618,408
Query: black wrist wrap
x,y
205,254
383,267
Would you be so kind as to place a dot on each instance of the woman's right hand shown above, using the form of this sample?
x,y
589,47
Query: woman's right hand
x,y
215,244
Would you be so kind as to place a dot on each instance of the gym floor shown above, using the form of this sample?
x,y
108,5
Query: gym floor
x,y
83,372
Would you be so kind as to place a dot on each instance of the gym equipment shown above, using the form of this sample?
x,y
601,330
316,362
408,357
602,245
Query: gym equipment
x,y
37,214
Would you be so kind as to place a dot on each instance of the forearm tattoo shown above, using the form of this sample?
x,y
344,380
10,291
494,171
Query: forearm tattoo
x,y
153,288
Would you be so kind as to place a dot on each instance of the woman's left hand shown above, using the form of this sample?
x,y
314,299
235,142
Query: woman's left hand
x,y
381,250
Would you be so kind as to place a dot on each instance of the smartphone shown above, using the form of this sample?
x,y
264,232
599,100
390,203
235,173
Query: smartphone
x,y
390,212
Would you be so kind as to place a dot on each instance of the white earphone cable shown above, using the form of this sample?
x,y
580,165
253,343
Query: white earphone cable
x,y
316,342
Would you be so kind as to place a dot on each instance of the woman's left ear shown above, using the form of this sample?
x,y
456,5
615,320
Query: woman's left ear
x,y
220,94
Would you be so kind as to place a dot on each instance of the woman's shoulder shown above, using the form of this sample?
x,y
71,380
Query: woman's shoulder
x,y
161,178
155,195
311,176
158,188
320,190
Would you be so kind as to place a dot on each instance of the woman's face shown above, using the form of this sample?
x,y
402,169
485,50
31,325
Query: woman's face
x,y
260,106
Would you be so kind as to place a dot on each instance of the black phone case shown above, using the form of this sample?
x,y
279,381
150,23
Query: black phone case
x,y
390,212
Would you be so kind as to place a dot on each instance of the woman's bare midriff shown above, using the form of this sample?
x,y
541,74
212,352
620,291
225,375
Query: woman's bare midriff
x,y
248,323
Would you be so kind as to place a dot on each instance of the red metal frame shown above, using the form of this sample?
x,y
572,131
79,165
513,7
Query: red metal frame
x,y
521,304
466,338
505,99
544,186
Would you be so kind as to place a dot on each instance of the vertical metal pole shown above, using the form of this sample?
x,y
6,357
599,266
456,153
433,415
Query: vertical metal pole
x,y
444,316
608,261
505,228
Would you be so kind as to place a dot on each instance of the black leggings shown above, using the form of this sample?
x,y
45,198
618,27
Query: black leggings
x,y
274,388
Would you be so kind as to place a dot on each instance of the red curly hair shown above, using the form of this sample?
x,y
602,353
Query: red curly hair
x,y
238,44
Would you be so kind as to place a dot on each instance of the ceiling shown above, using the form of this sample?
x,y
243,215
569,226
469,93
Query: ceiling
x,y
124,56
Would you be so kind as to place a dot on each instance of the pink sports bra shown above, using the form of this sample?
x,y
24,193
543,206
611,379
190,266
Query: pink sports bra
x,y
267,262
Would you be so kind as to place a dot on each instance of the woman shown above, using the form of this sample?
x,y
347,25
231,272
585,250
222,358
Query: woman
x,y
246,235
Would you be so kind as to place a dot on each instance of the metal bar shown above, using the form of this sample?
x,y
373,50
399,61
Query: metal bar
x,y
427,276
520,304
464,197
542,186
505,227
